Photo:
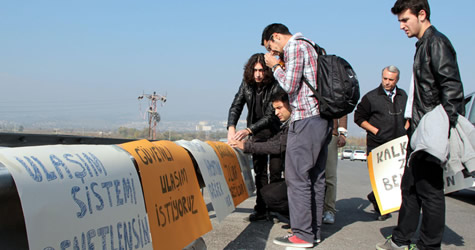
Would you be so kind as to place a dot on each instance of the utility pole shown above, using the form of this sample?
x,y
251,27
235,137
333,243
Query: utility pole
x,y
153,117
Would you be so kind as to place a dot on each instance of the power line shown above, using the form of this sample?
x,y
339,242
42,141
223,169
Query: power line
x,y
153,116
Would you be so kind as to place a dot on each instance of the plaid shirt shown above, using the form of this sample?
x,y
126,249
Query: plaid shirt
x,y
300,60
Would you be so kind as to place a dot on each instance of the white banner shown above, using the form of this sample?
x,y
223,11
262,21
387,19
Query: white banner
x,y
213,176
79,197
386,167
245,163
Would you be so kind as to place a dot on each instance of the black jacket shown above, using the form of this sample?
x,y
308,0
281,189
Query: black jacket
x,y
436,77
247,95
377,109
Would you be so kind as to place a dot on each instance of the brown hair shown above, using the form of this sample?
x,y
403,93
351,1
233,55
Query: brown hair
x,y
415,6
249,69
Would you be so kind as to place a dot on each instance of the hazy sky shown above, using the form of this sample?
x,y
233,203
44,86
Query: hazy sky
x,y
90,60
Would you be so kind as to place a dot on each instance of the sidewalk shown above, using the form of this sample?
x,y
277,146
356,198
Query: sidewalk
x,y
355,227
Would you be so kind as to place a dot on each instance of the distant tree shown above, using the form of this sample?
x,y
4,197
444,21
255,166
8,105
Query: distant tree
x,y
356,143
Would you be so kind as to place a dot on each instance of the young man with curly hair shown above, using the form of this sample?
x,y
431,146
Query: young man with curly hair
x,y
256,90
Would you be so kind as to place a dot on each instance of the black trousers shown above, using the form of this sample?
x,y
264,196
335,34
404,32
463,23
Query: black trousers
x,y
372,199
422,189
261,162
371,196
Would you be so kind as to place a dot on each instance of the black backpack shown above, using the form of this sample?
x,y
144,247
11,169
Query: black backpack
x,y
338,89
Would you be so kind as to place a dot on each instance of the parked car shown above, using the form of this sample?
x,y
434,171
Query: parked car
x,y
358,155
470,107
346,154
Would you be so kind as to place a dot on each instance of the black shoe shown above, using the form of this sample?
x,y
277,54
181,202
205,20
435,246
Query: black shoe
x,y
384,217
256,216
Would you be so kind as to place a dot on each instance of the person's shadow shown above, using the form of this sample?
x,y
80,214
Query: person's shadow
x,y
349,211
257,232
450,236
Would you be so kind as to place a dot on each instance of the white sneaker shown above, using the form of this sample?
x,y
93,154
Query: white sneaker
x,y
390,245
328,217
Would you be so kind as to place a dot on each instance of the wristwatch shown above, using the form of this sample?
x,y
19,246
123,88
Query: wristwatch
x,y
343,131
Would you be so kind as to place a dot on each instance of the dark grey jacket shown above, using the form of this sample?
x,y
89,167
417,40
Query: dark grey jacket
x,y
436,77
274,145
377,109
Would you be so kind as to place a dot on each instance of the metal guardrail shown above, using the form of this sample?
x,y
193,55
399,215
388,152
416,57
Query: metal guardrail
x,y
22,140
12,223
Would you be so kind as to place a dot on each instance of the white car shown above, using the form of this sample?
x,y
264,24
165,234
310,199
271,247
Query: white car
x,y
346,154
358,155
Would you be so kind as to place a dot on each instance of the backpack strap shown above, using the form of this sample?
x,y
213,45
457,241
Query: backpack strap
x,y
315,92
320,51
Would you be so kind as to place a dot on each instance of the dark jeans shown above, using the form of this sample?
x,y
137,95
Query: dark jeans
x,y
422,189
261,178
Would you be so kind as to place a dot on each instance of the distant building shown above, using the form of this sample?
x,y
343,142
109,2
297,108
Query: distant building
x,y
203,126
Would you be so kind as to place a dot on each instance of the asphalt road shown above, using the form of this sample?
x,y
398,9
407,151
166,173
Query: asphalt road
x,y
355,226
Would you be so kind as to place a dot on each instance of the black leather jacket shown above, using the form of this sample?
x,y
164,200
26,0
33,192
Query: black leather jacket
x,y
246,95
436,77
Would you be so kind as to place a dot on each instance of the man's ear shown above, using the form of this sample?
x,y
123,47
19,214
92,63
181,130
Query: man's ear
x,y
422,15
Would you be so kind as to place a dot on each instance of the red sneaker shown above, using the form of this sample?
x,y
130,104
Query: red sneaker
x,y
292,241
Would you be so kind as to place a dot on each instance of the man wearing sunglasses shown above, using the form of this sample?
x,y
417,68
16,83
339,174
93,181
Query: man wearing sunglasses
x,y
308,135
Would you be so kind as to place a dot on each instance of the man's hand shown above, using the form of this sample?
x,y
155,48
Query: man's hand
x,y
238,144
231,133
367,126
270,60
341,141
241,134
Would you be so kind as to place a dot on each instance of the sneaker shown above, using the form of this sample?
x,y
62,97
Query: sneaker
x,y
255,216
384,217
413,247
328,217
291,240
390,245
317,241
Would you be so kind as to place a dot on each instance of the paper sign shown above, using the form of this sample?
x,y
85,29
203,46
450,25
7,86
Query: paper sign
x,y
386,167
232,171
245,163
79,197
213,176
176,210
